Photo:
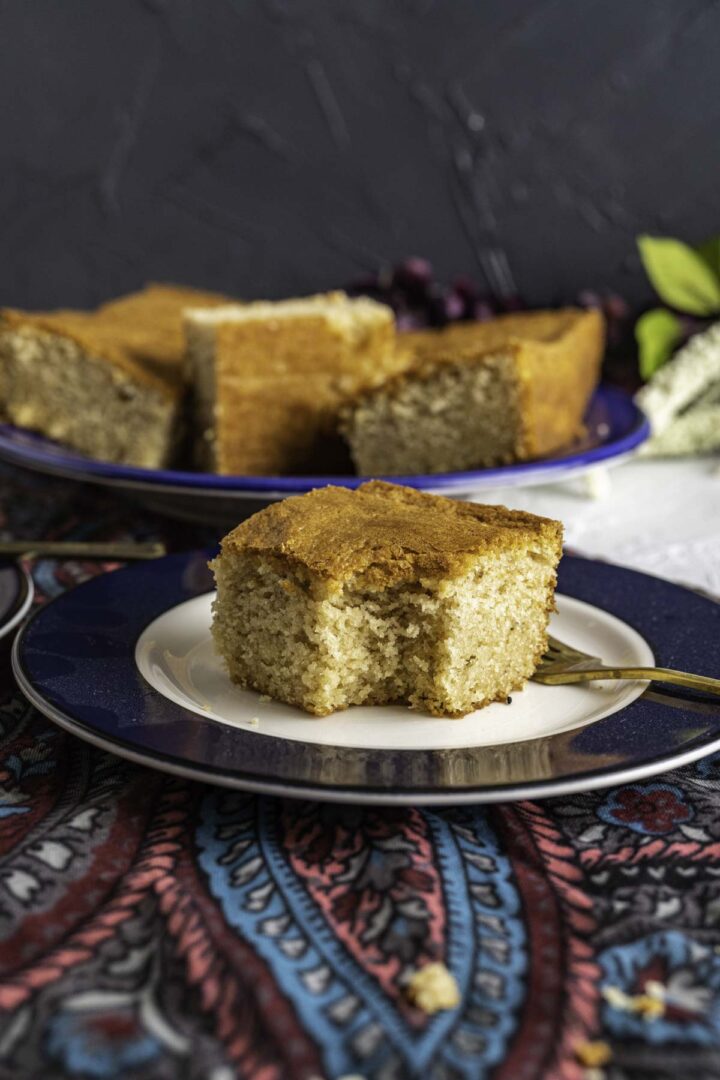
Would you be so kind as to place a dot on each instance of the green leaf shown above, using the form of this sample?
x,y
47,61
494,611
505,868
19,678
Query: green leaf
x,y
681,277
709,252
657,332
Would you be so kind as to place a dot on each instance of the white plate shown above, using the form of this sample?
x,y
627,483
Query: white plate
x,y
177,657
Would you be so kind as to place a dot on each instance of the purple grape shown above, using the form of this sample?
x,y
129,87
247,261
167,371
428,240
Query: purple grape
x,y
690,325
469,292
414,274
400,299
483,309
508,304
453,306
466,287
437,306
589,299
615,307
418,300
616,311
410,320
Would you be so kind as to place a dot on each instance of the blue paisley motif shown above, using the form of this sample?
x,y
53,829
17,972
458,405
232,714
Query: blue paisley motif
x,y
688,969
350,1015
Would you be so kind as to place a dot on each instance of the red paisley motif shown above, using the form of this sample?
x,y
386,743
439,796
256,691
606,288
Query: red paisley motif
x,y
375,880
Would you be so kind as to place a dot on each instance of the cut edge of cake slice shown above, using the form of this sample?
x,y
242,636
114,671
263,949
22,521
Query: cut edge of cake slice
x,y
82,401
477,395
456,410
108,383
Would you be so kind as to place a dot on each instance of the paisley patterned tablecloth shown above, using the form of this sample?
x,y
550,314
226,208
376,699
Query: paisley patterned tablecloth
x,y
155,928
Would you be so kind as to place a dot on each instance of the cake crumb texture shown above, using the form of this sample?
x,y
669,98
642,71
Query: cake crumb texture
x,y
109,382
385,595
141,333
479,394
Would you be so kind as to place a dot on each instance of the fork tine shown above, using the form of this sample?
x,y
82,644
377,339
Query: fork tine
x,y
560,656
561,650
555,651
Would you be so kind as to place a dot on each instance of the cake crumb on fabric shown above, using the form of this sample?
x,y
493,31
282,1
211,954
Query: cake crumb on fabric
x,y
650,1004
433,988
593,1054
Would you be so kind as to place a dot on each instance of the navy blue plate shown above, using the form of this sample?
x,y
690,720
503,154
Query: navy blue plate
x,y
75,661
615,428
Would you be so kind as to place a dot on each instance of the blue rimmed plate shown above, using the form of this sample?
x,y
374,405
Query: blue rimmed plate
x,y
615,428
125,661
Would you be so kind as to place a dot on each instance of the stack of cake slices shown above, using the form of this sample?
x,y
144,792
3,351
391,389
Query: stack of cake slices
x,y
274,387
275,382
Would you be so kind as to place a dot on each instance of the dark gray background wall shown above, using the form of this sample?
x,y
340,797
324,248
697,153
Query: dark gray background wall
x,y
273,147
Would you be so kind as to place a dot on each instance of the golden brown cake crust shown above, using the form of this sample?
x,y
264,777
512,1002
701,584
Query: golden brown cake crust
x,y
557,379
544,326
386,533
141,334
468,342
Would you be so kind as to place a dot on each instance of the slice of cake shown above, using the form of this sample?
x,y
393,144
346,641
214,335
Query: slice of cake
x,y
270,377
109,382
480,394
382,595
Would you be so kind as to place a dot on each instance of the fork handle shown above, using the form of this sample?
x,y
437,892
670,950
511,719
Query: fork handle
x,y
82,549
680,678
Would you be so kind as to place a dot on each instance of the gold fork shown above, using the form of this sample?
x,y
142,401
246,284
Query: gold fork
x,y
562,664
82,549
